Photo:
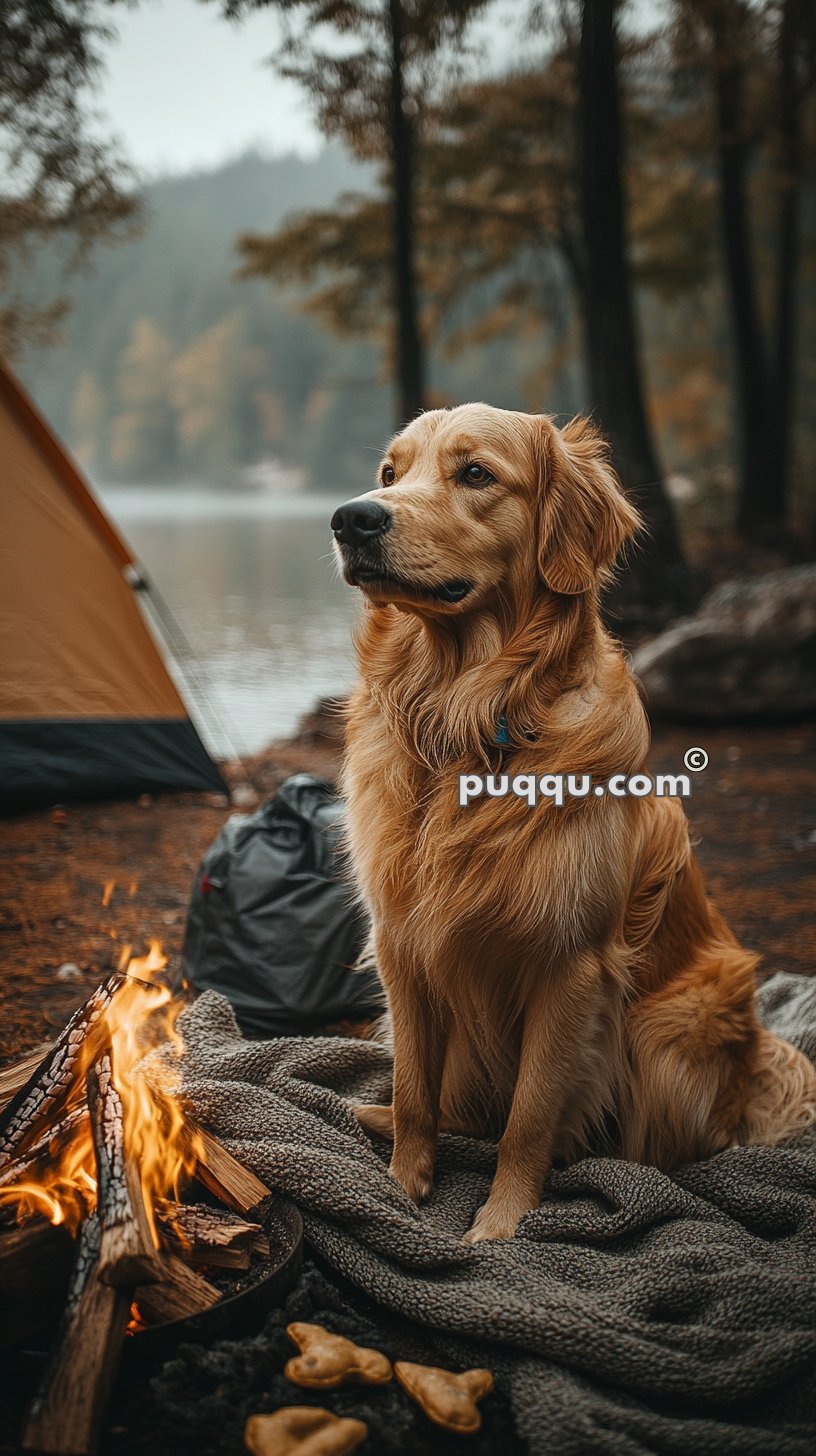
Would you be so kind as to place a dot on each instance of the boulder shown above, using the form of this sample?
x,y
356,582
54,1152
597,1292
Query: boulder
x,y
748,652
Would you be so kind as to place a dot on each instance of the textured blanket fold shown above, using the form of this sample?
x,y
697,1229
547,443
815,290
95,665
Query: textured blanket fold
x,y
633,1312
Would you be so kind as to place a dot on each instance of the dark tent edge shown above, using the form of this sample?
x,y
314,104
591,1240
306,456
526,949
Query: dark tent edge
x,y
55,761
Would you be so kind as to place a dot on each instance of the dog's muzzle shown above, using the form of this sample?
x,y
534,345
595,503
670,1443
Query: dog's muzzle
x,y
359,528
360,523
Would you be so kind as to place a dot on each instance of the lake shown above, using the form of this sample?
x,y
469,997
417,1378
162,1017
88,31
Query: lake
x,y
251,581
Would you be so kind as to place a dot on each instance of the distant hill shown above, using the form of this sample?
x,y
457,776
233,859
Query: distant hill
x,y
172,369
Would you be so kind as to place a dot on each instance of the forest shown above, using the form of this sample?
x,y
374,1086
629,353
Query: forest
x,y
622,222
169,368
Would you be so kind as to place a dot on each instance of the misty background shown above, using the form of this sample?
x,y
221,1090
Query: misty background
x,y
220,358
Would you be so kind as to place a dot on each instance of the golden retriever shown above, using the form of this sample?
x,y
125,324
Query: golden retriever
x,y
555,976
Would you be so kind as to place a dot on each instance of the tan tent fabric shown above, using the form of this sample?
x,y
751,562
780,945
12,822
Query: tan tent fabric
x,y
87,706
80,646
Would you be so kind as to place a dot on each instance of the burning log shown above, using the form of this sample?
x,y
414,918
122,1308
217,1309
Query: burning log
x,y
203,1235
38,1102
91,1107
16,1074
179,1294
127,1254
224,1176
68,1410
35,1264
52,1143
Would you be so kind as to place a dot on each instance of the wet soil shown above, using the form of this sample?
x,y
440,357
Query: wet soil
x,y
753,811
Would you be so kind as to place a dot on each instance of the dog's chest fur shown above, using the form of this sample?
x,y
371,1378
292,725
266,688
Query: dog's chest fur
x,y
488,885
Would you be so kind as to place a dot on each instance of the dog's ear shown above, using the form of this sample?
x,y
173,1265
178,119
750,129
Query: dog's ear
x,y
584,516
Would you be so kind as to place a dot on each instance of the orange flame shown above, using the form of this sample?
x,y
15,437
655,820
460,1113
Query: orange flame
x,y
157,1137
110,886
150,964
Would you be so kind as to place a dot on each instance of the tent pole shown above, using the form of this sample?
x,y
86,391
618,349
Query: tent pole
x,y
214,713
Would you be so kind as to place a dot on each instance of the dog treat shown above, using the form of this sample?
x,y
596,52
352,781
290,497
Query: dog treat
x,y
326,1360
302,1430
447,1399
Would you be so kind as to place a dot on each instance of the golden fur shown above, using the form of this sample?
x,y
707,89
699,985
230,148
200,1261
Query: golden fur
x,y
554,975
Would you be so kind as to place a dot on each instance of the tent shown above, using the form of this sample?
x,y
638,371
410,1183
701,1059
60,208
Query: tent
x,y
87,707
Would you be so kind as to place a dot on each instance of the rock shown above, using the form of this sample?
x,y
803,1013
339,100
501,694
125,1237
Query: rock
x,y
68,972
324,725
749,652
244,797
681,489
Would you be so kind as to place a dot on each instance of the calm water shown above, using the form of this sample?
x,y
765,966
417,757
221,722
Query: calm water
x,y
251,581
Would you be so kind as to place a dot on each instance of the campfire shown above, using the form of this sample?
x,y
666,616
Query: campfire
x,y
98,1163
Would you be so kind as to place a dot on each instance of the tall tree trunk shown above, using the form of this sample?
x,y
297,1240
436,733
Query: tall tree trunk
x,y
789,165
758,506
410,370
658,579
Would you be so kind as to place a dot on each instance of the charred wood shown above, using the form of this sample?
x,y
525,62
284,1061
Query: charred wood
x,y
200,1234
180,1293
39,1102
127,1255
47,1148
16,1074
68,1410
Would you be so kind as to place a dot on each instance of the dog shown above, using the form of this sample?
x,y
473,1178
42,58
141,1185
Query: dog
x,y
555,976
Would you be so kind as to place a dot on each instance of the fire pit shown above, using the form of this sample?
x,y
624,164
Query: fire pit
x,y
245,1296
122,1212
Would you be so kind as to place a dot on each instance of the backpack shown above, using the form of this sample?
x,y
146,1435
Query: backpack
x,y
273,923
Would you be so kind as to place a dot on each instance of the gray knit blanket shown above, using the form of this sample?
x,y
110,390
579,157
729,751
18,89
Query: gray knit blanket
x,y
633,1312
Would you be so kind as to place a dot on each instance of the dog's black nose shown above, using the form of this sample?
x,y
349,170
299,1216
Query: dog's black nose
x,y
359,521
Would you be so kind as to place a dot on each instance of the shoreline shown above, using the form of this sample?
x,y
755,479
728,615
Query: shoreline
x,y
751,814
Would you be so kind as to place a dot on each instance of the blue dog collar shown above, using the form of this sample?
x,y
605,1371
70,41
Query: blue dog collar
x,y
502,734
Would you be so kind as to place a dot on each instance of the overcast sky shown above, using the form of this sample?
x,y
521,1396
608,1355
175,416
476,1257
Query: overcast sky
x,y
184,89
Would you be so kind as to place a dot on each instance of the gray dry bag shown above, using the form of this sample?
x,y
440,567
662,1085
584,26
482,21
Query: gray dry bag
x,y
273,924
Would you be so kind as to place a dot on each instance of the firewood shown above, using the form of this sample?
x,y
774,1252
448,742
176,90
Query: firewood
x,y
16,1074
203,1235
68,1410
47,1148
35,1264
180,1293
39,1101
224,1176
127,1254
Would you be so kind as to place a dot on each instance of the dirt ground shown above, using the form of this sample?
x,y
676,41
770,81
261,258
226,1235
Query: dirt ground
x,y
753,810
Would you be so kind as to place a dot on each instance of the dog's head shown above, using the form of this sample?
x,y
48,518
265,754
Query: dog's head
x,y
477,503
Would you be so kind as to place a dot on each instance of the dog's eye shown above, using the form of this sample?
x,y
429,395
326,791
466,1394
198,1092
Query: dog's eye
x,y
388,475
476,474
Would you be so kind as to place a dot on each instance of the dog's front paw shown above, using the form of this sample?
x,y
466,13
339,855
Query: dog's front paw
x,y
495,1220
376,1118
415,1173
